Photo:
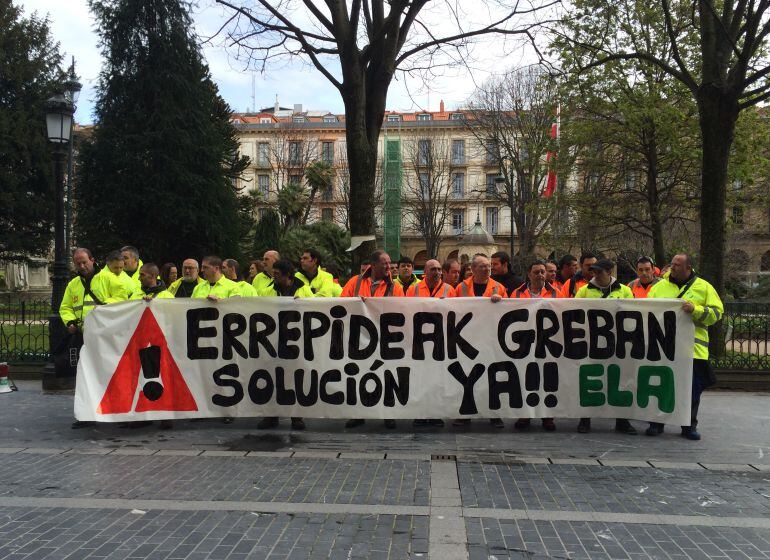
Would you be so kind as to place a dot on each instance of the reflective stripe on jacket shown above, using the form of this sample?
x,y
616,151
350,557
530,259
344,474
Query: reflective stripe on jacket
x,y
421,289
708,308
465,289
322,285
639,290
222,288
76,304
361,285
548,291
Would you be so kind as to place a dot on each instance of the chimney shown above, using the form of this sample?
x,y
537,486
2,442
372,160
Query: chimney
x,y
297,108
277,107
441,106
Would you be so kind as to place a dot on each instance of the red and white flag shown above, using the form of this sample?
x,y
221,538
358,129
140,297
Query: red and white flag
x,y
550,157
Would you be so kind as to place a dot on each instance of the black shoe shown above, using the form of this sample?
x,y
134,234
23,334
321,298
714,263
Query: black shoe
x,y
522,424
549,425
77,424
139,424
267,423
354,423
624,427
655,429
691,434
390,424
461,422
166,424
228,420
420,422
438,422
297,424
584,426
496,423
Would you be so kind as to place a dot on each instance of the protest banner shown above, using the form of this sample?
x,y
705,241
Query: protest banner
x,y
386,358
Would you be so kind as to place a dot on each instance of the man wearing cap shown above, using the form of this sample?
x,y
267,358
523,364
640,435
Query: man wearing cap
x,y
701,302
645,272
604,285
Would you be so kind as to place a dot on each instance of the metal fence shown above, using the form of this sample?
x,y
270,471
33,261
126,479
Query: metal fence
x,y
741,340
23,329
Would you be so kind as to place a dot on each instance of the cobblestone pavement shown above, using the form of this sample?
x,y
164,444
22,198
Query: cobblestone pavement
x,y
206,490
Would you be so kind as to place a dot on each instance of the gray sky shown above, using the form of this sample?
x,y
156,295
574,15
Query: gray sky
x,y
294,82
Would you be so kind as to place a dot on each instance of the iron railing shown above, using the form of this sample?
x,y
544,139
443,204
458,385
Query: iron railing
x,y
741,341
23,329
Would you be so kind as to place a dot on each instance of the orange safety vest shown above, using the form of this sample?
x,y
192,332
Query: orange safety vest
x,y
362,285
558,285
422,290
639,290
548,291
465,289
567,290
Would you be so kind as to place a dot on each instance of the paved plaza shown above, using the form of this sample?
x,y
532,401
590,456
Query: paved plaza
x,y
209,490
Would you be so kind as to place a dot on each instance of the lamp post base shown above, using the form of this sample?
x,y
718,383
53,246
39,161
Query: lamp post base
x,y
53,384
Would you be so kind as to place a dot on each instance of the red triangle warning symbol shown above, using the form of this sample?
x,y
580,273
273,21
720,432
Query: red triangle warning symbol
x,y
164,387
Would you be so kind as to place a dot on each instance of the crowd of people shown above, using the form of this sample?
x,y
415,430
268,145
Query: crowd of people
x,y
125,277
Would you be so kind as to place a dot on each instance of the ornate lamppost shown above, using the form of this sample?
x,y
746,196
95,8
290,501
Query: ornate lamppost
x,y
60,110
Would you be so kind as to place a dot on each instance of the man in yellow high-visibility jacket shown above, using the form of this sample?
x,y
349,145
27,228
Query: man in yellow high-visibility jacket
x,y
703,304
87,290
84,292
151,287
132,262
115,264
232,271
183,287
285,284
321,282
263,279
216,286
603,285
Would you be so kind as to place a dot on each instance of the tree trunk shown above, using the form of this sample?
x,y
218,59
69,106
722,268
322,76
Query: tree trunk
x,y
653,202
718,113
362,166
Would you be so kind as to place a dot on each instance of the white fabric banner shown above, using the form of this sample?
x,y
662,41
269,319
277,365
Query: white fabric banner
x,y
387,358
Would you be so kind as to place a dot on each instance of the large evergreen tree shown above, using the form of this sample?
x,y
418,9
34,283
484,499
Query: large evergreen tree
x,y
29,61
158,172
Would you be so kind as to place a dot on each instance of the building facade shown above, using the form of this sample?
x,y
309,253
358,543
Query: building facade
x,y
443,178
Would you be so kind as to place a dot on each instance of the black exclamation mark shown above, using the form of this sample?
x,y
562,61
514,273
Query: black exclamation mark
x,y
550,383
150,360
532,383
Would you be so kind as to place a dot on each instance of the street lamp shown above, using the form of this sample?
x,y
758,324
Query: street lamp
x,y
59,113
501,180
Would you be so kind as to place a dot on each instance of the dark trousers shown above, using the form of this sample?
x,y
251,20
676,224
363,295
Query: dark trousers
x,y
702,378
